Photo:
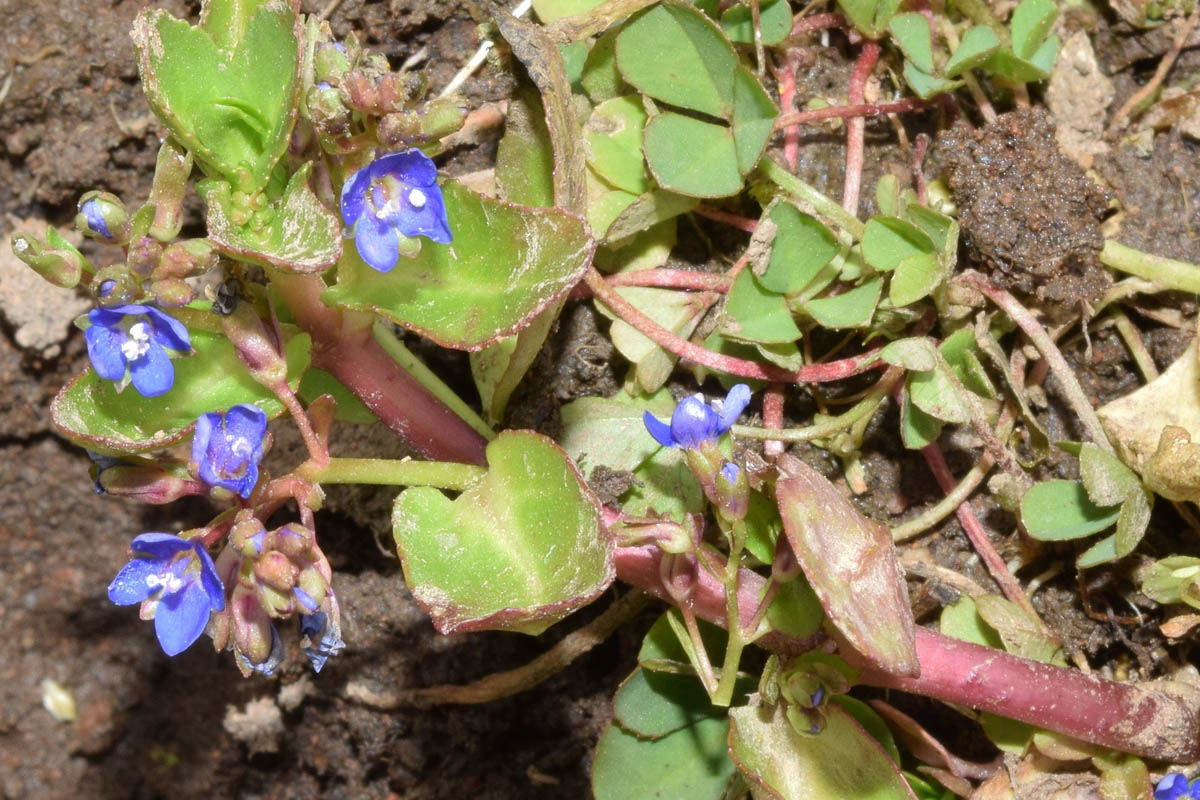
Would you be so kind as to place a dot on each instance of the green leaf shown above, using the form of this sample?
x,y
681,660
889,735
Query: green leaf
x,y
959,350
796,609
524,158
889,240
678,312
610,431
90,413
1031,21
913,34
916,354
934,393
675,54
754,314
977,44
551,10
667,648
753,119
690,762
1020,630
233,109
961,620
852,566
1132,522
692,157
869,16
917,429
651,705
613,134
505,265
941,229
1054,511
666,486
925,85
1043,60
300,236
499,368
842,761
645,212
870,721
1174,579
774,22
519,549
600,79
914,278
1004,63
1102,552
1105,477
850,309
801,249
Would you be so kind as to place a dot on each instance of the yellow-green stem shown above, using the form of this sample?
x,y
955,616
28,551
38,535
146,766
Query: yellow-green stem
x,y
390,472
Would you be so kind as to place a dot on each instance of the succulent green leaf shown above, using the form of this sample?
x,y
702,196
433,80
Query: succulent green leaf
x,y
691,762
852,566
651,705
678,312
801,248
524,157
915,277
917,429
691,156
645,212
1031,21
977,44
840,762
935,393
1043,59
916,354
1058,510
600,78
90,412
498,368
674,53
519,549
666,486
667,647
1132,522
506,263
913,34
232,107
753,118
850,309
961,620
613,134
551,10
959,350
610,431
1105,477
870,17
1174,579
1021,632
889,240
1004,63
796,609
774,22
755,314
925,85
301,236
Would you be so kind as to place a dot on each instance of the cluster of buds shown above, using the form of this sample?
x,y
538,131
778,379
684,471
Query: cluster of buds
x,y
806,683
272,575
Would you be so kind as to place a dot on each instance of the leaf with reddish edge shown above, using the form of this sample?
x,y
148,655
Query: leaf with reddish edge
x,y
506,263
851,564
519,549
840,762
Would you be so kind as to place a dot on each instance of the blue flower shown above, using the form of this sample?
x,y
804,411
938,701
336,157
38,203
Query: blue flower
x,y
227,448
695,422
325,639
178,578
395,195
729,471
137,337
1174,786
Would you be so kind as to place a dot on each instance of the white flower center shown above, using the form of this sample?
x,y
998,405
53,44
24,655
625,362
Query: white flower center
x,y
169,581
416,198
240,446
138,343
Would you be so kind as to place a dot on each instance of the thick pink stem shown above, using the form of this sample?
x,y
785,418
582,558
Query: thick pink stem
x,y
855,128
1161,723
353,356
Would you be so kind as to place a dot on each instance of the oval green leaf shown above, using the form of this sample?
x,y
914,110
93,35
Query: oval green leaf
x,y
613,135
519,549
692,157
506,263
1054,511
801,248
889,240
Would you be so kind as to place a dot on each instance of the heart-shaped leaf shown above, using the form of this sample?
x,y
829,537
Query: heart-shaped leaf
x,y
1031,21
691,156
869,16
90,413
913,34
302,235
753,118
610,431
801,248
519,549
774,22
755,314
233,109
613,134
850,309
852,566
506,263
889,240
977,44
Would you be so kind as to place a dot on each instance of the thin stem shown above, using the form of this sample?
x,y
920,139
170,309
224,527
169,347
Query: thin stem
x,y
1075,395
672,279
786,78
741,223
863,409
868,57
773,419
1165,271
736,642
1133,340
391,472
816,23
813,373
854,111
802,191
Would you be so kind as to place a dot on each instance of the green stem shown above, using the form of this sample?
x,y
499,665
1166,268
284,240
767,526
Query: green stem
x,y
426,377
1170,273
863,409
723,696
390,472
802,191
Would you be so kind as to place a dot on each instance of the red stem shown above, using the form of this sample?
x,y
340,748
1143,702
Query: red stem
x,y
773,418
353,356
742,223
672,279
868,57
813,373
787,96
851,111
817,22
1134,718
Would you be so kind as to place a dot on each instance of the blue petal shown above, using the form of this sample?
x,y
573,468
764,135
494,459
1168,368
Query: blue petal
x,y
660,430
354,195
1171,787
429,220
200,441
735,403
181,617
305,599
160,545
152,374
377,243
411,167
730,472
168,331
104,350
130,587
95,220
127,310
247,422
209,579
693,423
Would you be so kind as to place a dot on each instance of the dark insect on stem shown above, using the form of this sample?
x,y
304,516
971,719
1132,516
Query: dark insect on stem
x,y
226,298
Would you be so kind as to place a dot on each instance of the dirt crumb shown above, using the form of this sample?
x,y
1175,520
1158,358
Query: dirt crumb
x,y
1029,215
258,726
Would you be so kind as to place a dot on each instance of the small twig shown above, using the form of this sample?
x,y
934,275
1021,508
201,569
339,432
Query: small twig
x,y
513,681
917,165
868,57
672,279
1133,340
1138,98
864,408
786,78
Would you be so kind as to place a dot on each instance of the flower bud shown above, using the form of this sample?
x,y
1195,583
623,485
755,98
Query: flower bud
x,y
276,570
148,484
330,62
116,286
171,173
143,256
186,259
55,259
668,535
327,110
172,292
102,216
732,491
252,628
